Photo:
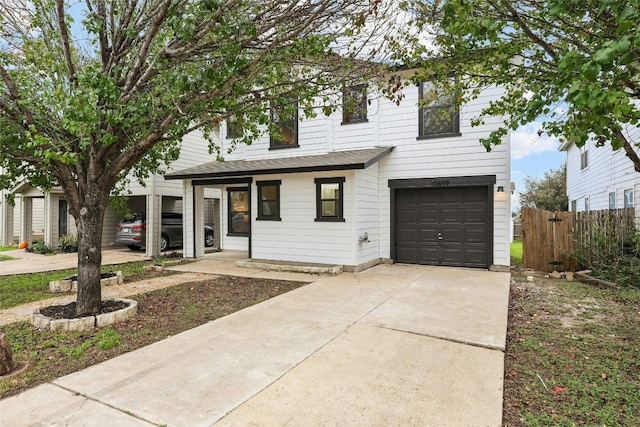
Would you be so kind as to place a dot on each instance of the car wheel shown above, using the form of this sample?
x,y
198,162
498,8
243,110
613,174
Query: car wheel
x,y
134,247
209,240
164,243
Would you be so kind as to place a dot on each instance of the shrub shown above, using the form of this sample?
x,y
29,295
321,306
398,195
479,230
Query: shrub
x,y
611,254
68,242
39,248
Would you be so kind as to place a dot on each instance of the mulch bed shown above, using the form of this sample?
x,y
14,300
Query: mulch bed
x,y
68,311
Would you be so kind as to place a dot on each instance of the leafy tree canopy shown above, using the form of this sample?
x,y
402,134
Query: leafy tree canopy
x,y
573,63
548,193
92,91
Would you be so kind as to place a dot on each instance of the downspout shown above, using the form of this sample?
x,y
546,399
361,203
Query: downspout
x,y
250,222
193,216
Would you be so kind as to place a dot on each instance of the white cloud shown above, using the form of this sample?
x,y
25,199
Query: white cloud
x,y
526,140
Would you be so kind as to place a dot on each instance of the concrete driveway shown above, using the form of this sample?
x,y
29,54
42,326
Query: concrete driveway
x,y
393,345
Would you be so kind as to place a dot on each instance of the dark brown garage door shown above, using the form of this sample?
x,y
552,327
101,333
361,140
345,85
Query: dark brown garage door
x,y
442,226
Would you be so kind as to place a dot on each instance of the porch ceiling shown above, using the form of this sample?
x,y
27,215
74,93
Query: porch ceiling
x,y
336,160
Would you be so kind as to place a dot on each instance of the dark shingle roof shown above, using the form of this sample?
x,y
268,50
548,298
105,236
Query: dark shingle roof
x,y
336,160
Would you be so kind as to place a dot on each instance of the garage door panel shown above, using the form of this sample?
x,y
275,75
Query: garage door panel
x,y
407,235
453,196
476,215
459,214
428,255
407,254
452,236
428,216
475,195
475,257
407,217
475,235
427,235
452,216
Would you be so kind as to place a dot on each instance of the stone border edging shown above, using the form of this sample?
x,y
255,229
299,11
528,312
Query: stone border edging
x,y
69,285
85,323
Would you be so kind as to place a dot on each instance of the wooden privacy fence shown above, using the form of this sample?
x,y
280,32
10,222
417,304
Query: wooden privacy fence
x,y
548,238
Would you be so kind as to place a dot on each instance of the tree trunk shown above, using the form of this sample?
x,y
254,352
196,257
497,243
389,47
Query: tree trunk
x,y
6,358
630,151
89,223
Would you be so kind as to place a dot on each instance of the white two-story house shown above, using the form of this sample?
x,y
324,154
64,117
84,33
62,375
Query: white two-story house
x,y
373,183
599,178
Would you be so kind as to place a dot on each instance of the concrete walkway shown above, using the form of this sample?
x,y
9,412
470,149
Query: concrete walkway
x,y
393,345
28,262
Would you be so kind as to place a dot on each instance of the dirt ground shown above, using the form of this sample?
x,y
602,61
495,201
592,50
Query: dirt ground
x,y
161,313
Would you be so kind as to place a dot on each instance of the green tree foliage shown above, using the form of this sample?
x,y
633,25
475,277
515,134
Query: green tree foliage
x,y
548,193
92,92
574,63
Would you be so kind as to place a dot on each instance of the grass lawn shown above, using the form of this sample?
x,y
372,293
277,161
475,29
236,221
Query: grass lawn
x,y
8,248
18,289
572,355
516,252
6,257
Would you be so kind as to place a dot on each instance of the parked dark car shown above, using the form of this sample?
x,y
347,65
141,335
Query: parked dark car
x,y
132,232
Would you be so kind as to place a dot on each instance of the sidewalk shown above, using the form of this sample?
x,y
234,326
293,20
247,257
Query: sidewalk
x,y
28,262
393,345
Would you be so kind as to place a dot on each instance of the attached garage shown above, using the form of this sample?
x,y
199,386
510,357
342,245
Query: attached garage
x,y
443,221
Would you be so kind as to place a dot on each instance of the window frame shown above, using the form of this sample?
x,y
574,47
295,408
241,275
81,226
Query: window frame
x,y
584,158
587,204
437,107
276,143
261,215
231,213
630,199
234,124
339,217
361,105
612,200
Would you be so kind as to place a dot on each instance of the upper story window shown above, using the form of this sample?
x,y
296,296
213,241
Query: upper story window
x,y
269,200
234,128
439,115
628,198
574,206
586,204
354,104
584,158
612,200
329,199
285,124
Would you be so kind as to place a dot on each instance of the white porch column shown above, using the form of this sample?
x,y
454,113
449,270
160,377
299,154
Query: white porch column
x,y
198,205
50,220
192,219
6,221
154,208
26,219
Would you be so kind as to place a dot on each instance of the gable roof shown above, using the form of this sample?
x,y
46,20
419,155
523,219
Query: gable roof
x,y
336,160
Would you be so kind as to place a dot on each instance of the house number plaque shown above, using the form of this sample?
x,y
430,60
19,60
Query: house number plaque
x,y
440,183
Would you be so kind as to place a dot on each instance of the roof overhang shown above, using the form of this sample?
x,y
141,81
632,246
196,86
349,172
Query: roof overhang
x,y
334,161
564,146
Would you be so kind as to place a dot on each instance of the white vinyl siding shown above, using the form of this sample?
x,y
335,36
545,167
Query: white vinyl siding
x,y
367,203
298,237
608,172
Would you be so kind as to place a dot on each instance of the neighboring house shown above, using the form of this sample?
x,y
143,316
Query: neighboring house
x,y
373,183
38,216
599,178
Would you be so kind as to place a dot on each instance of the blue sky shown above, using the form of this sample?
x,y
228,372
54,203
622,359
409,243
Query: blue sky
x,y
532,155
